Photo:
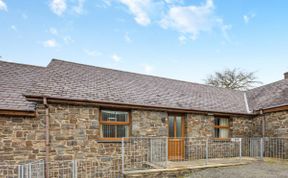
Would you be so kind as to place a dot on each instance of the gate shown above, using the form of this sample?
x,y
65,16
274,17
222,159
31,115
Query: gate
x,y
32,169
158,151
256,148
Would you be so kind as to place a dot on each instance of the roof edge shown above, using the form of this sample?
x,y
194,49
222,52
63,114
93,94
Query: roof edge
x,y
23,64
277,108
10,112
62,100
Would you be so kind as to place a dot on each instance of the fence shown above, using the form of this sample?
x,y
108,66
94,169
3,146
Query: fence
x,y
147,153
150,153
102,167
97,168
154,152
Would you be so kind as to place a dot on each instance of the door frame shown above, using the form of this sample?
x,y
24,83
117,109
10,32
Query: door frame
x,y
182,124
182,115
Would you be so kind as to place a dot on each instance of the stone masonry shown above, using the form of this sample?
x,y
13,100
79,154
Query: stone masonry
x,y
74,131
275,124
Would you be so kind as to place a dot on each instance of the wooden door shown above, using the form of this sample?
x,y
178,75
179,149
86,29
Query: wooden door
x,y
176,137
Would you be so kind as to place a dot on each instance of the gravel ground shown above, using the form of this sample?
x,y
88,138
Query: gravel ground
x,y
253,170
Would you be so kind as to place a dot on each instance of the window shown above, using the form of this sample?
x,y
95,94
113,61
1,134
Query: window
x,y
222,127
114,124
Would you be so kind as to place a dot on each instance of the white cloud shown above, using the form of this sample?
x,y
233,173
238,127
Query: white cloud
x,y
188,20
24,16
116,58
53,31
127,38
248,17
148,69
225,29
92,53
191,20
58,6
68,39
79,8
50,43
139,8
14,28
3,6
107,2
182,39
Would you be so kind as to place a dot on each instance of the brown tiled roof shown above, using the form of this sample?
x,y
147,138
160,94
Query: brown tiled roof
x,y
77,81
15,79
67,80
268,96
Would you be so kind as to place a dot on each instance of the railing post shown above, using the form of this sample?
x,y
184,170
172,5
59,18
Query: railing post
x,y
123,154
151,150
43,168
240,148
29,170
22,171
167,144
19,171
261,149
206,152
74,169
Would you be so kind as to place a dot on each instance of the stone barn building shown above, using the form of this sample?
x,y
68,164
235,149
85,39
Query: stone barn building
x,y
71,111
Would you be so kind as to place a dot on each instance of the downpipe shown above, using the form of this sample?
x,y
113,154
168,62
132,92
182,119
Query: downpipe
x,y
47,138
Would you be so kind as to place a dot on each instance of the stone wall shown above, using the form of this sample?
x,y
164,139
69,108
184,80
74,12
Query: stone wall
x,y
199,125
21,138
75,131
275,124
203,126
242,126
149,123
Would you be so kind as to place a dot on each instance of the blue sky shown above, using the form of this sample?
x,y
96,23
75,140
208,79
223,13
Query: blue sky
x,y
181,39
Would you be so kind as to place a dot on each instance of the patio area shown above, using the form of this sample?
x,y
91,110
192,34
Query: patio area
x,y
185,167
156,157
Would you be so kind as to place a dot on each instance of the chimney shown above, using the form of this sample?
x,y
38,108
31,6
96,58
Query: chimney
x,y
286,75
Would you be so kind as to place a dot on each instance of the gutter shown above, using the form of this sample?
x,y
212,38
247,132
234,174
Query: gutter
x,y
9,112
119,105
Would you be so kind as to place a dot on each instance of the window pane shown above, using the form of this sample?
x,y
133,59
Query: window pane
x,y
216,121
224,122
178,126
216,133
115,131
171,126
224,133
109,130
122,131
116,116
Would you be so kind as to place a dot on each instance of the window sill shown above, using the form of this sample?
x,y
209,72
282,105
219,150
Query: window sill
x,y
110,140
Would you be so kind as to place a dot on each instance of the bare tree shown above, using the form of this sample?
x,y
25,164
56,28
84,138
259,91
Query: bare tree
x,y
235,79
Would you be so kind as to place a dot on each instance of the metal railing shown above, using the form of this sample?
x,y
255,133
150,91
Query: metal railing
x,y
152,153
276,148
102,167
8,169
144,153
159,152
108,167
